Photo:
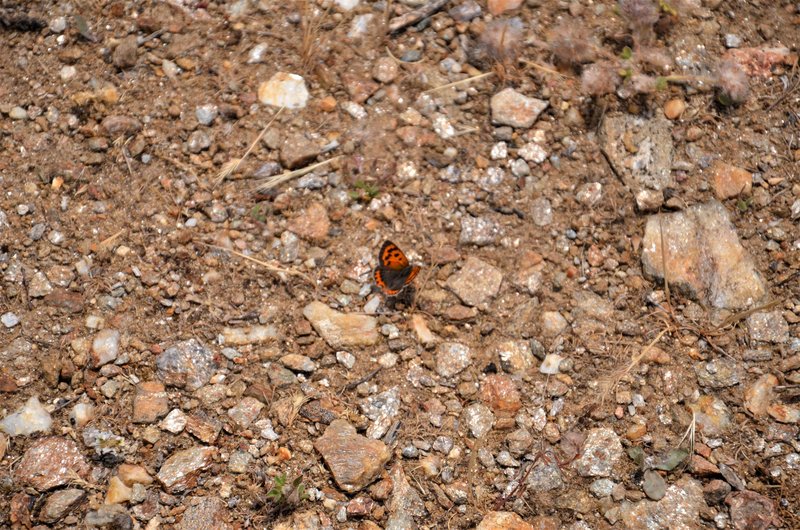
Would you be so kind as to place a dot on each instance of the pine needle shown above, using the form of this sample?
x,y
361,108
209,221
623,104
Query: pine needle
x,y
268,266
457,83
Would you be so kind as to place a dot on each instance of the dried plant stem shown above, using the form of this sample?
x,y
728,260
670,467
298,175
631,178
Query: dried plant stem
x,y
276,180
233,164
457,83
543,68
268,266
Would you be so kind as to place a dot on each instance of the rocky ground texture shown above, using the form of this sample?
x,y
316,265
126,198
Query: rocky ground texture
x,y
605,332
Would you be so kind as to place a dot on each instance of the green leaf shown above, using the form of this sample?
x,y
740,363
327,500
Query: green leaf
x,y
671,460
661,83
83,28
636,454
627,53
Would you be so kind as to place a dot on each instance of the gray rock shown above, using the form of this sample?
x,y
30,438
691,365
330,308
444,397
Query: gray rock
x,y
452,358
207,513
206,114
654,485
476,283
509,107
465,11
679,509
601,451
649,167
198,141
187,364
381,409
9,319
480,231
719,373
768,327
541,211
705,259
60,503
479,419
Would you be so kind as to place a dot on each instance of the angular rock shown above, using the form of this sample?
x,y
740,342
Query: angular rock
x,y
284,90
500,393
297,150
601,451
679,509
504,521
105,347
479,419
476,283
60,503
704,257
381,409
342,331
759,395
730,181
752,511
245,412
206,513
639,151
150,402
515,356
31,418
452,358
509,107
354,460
479,231
181,471
312,224
405,503
187,364
712,415
51,462
768,327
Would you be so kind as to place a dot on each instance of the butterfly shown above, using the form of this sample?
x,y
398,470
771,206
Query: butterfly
x,y
393,272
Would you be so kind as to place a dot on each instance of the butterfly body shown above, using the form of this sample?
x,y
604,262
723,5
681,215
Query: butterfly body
x,y
394,271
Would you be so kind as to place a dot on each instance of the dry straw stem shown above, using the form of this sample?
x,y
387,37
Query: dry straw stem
x,y
543,68
268,266
457,83
633,363
233,164
271,182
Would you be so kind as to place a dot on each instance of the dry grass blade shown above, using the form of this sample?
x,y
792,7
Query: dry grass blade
x,y
457,83
232,165
271,182
298,400
311,26
633,363
543,68
268,266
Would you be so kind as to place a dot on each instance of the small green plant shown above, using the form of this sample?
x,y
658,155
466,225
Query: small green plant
x,y
364,191
259,212
286,494
743,204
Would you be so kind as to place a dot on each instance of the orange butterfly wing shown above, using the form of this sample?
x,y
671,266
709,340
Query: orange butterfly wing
x,y
392,257
393,271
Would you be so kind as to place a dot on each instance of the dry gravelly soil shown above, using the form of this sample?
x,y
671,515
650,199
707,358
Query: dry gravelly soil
x,y
120,232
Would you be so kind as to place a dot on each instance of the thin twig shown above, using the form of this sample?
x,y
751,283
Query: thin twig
x,y
234,164
457,83
268,266
543,68
412,17
276,180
